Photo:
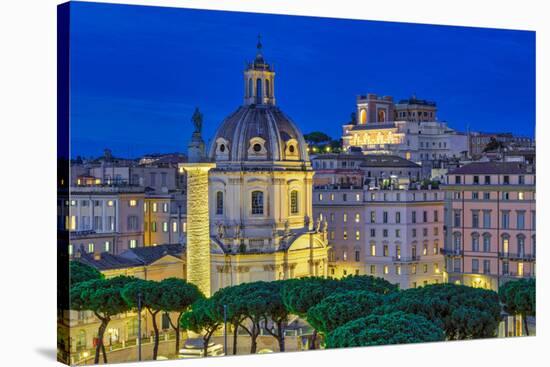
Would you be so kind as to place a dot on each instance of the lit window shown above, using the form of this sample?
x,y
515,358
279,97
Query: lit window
x,y
174,227
521,196
145,207
436,268
331,196
373,269
165,207
107,246
320,197
357,217
73,202
386,269
110,203
73,223
165,226
345,235
413,269
132,243
357,197
91,247
373,250
398,269
345,217
155,208
345,255
185,226
132,202
70,249
425,268
357,235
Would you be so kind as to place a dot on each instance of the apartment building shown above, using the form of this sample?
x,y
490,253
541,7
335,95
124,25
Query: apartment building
x,y
105,218
490,211
395,234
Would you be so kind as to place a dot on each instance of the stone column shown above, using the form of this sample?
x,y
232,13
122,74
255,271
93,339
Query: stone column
x,y
198,225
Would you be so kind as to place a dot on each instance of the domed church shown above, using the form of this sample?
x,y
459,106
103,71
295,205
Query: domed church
x,y
260,191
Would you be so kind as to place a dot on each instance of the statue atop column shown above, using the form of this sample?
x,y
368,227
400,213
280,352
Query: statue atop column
x,y
196,145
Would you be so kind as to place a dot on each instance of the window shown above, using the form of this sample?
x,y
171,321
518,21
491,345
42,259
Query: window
x,y
486,267
165,207
476,180
153,178
475,195
90,247
414,232
373,216
294,202
373,269
357,255
165,226
487,180
257,202
521,180
174,227
521,245
386,269
98,224
475,219
520,269
475,242
475,266
458,180
457,218
357,235
436,231
505,196
413,269
345,255
425,249
398,233
413,217
155,207
486,243
357,197
505,267
133,223
132,243
153,226
425,216
373,250
436,216
219,203
132,202
320,197
505,222
486,219
331,235
397,217
386,251
344,197
521,195
486,196
436,268
424,232
345,235
110,203
357,217
107,246
384,233
345,218
520,223
331,217
373,232
506,180
398,269
385,217
425,268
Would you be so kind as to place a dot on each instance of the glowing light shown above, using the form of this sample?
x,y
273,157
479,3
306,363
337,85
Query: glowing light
x,y
198,226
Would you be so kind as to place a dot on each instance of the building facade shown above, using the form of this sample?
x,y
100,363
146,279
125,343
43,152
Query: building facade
x,y
392,234
491,223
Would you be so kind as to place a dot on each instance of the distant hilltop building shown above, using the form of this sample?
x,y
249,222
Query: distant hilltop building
x,y
409,129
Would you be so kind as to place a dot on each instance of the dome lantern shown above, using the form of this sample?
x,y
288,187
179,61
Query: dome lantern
x,y
259,80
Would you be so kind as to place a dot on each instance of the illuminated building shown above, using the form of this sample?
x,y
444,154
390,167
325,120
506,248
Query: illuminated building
x,y
395,234
491,219
409,129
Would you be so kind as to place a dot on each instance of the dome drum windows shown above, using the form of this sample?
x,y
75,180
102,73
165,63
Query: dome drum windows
x,y
294,205
257,202
257,149
291,150
219,203
222,149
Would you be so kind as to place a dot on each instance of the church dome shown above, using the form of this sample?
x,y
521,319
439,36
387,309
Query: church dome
x,y
258,133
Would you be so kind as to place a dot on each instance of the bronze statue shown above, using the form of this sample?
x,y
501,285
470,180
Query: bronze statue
x,y
197,120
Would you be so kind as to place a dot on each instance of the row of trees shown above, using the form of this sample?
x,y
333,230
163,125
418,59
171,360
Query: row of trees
x,y
353,311
90,291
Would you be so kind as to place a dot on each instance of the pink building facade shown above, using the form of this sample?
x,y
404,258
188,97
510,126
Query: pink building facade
x,y
490,223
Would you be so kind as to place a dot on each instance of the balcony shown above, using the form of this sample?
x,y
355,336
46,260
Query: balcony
x,y
517,275
451,252
517,256
404,259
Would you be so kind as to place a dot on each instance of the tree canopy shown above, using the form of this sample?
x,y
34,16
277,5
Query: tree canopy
x,y
204,315
79,272
462,312
519,297
393,328
340,308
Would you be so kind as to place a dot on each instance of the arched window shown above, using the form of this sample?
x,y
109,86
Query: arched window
x,y
521,244
257,202
505,243
363,116
475,242
219,203
381,116
259,91
457,241
250,88
267,89
294,202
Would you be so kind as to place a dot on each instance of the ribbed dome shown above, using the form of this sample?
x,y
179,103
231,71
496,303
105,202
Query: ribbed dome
x,y
258,133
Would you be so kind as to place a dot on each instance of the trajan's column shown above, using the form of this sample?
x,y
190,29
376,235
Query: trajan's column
x,y
198,225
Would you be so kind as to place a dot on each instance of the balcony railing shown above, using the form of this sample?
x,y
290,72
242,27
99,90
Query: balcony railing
x,y
517,256
516,274
405,259
452,252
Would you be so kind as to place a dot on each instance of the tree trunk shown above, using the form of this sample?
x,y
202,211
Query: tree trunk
x,y
253,338
281,338
206,341
235,335
525,324
177,330
156,329
312,346
100,333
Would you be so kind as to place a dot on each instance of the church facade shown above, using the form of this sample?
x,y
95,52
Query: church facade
x,y
260,192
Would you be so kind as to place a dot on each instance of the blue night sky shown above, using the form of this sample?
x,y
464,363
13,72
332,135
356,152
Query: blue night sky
x,y
138,72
